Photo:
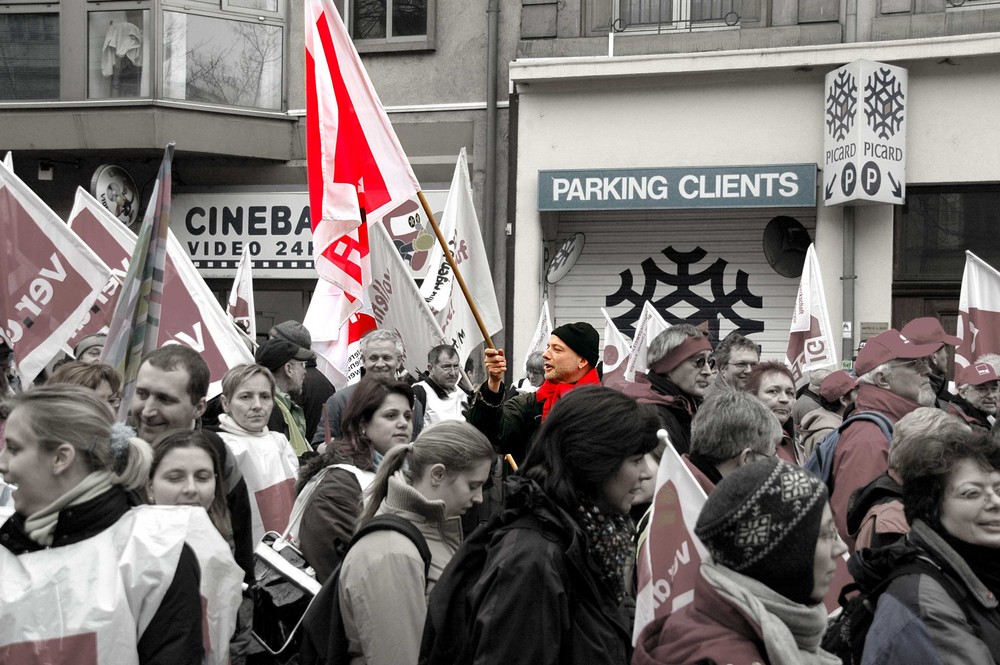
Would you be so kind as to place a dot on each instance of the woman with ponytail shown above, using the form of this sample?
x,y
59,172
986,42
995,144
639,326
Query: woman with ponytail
x,y
383,589
85,575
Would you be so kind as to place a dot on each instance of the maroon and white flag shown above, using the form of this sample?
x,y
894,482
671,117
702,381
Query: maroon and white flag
x,y
649,325
194,318
240,307
670,554
540,338
978,311
617,349
810,340
51,277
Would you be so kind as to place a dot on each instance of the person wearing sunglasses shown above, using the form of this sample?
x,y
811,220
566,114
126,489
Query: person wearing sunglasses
x,y
978,393
680,370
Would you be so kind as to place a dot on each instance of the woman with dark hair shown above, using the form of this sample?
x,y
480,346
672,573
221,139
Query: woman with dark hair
x,y
772,383
383,589
378,416
544,580
946,611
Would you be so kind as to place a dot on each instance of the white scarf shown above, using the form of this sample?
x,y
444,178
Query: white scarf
x,y
41,526
792,632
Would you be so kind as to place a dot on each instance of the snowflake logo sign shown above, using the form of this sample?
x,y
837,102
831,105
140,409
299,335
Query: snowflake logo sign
x,y
884,103
841,104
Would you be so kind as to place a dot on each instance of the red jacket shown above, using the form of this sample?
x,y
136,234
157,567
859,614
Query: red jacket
x,y
863,453
709,629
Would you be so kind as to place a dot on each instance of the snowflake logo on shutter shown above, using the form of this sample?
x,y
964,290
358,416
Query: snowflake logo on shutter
x,y
841,103
795,485
681,280
884,103
755,532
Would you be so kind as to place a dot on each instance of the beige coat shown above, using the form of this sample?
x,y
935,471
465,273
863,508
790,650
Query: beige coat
x,y
383,591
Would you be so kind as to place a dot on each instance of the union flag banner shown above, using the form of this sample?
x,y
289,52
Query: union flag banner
x,y
240,306
810,339
196,319
617,348
649,325
51,277
338,349
350,144
540,338
978,311
460,228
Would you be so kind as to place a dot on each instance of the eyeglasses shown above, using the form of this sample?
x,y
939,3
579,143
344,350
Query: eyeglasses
x,y
830,532
918,364
701,361
978,494
987,388
115,401
742,366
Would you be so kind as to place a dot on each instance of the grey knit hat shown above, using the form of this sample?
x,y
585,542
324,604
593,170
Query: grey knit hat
x,y
763,521
292,331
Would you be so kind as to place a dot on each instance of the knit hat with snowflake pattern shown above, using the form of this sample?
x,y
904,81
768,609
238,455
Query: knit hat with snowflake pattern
x,y
763,521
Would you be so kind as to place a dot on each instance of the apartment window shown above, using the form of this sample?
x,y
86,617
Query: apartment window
x,y
29,55
661,15
118,48
386,25
222,61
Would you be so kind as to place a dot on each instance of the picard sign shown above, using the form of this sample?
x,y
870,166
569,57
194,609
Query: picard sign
x,y
766,186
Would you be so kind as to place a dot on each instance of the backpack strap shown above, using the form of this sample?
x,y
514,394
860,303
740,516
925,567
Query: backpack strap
x,y
389,522
880,419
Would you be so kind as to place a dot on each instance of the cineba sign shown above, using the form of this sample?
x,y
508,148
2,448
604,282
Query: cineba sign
x,y
766,186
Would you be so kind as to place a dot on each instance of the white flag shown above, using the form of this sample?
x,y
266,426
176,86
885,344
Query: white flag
x,y
617,349
240,306
440,288
810,340
649,325
978,311
8,161
539,340
338,349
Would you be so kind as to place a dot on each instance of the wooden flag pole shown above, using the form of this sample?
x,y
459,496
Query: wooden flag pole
x,y
454,269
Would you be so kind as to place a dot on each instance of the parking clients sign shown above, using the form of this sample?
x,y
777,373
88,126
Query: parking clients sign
x,y
864,139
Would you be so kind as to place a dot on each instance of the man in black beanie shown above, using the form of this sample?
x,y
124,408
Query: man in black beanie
x,y
570,360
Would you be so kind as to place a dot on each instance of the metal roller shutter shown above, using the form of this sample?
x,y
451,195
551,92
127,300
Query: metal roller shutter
x,y
717,272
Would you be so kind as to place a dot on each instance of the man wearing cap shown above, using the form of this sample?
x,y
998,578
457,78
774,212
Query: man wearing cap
x,y
928,330
570,360
680,370
88,350
836,393
287,362
893,379
316,388
808,398
978,391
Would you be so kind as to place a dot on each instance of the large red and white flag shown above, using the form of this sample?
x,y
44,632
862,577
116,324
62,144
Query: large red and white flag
x,y
617,349
350,144
338,349
540,338
978,311
810,340
649,325
670,554
240,306
51,277
460,228
196,319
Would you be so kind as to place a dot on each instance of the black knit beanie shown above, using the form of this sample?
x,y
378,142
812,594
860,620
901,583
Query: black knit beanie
x,y
582,338
763,521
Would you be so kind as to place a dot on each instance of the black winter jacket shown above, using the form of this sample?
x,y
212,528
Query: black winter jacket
x,y
522,589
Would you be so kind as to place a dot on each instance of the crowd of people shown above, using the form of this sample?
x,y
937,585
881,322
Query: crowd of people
x,y
134,542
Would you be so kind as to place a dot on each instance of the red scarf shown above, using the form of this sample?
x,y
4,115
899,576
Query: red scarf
x,y
549,392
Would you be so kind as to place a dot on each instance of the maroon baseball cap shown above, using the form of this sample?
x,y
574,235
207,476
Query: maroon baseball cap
x,y
836,385
977,374
928,330
890,345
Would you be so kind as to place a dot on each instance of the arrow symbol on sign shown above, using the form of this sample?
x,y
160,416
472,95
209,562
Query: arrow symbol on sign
x,y
897,188
829,188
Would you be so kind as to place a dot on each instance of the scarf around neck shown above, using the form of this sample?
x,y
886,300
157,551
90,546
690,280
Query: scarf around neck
x,y
549,393
41,526
609,544
791,632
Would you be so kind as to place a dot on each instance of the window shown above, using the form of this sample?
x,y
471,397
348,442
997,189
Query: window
x,y
118,53
662,15
222,61
29,56
385,25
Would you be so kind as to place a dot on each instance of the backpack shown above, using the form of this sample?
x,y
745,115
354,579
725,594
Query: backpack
x,y
323,639
820,463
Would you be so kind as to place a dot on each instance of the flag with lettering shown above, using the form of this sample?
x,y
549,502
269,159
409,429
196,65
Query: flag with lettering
x,y
240,307
810,340
617,349
460,228
338,349
51,277
978,311
196,318
669,553
650,324
349,144
540,338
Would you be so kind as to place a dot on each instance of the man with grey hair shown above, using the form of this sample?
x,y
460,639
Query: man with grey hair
x,y
893,380
731,429
679,371
381,357
978,392
735,357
